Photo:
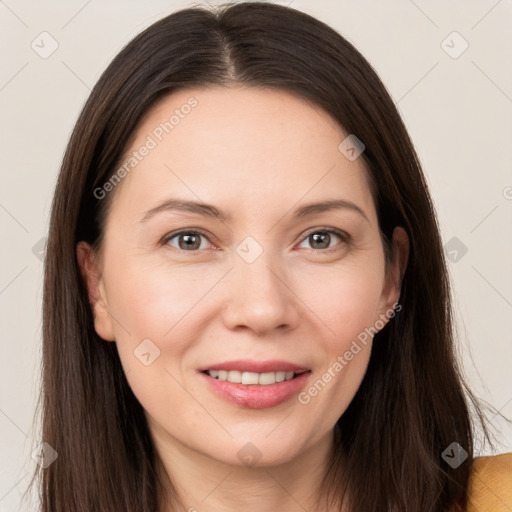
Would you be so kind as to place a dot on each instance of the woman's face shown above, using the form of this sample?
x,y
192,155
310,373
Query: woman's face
x,y
246,280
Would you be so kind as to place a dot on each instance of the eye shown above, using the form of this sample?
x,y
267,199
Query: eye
x,y
321,238
190,241
187,240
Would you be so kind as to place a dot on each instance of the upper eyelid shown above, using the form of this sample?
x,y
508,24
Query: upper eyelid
x,y
328,229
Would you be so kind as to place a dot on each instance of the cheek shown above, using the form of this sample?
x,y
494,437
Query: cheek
x,y
346,303
330,393
166,305
345,299
151,297
155,328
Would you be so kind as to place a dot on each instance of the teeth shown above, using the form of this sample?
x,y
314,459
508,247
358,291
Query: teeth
x,y
267,378
234,376
263,379
250,378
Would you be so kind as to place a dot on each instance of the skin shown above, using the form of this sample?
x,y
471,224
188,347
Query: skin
x,y
258,155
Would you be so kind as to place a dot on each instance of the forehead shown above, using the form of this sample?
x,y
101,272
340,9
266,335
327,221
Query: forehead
x,y
240,145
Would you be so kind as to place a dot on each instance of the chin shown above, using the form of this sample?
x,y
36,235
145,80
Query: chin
x,y
252,452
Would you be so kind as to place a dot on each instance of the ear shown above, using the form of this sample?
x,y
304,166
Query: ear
x,y
91,275
395,273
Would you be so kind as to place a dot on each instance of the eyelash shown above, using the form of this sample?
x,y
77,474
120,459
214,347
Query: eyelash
x,y
345,237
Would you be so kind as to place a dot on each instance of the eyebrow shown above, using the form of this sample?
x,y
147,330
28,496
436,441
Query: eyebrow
x,y
208,210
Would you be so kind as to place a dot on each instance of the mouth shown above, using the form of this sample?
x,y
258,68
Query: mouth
x,y
255,385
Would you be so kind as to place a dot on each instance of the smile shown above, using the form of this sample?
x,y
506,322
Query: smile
x,y
251,378
255,384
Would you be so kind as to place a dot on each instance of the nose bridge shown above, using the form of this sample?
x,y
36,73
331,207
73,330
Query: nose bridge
x,y
260,298
259,268
262,275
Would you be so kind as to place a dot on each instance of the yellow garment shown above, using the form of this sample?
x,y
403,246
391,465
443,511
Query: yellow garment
x,y
490,484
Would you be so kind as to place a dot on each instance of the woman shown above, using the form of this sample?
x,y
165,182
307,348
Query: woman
x,y
201,351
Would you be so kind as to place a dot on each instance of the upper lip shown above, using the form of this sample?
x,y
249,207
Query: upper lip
x,y
247,365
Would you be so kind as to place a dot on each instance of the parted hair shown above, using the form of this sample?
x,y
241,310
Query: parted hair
x,y
413,401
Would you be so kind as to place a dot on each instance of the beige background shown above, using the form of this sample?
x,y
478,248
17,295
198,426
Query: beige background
x,y
458,112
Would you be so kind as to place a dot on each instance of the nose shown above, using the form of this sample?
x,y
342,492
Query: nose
x,y
260,297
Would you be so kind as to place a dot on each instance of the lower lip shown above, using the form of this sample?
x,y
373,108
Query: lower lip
x,y
256,396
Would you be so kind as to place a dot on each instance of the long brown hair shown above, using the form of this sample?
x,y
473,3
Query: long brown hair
x,y
412,403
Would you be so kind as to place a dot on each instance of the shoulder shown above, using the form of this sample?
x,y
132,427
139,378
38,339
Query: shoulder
x,y
490,484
